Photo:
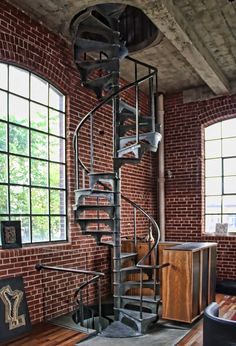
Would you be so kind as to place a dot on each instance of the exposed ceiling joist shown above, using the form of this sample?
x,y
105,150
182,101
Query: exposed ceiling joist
x,y
171,22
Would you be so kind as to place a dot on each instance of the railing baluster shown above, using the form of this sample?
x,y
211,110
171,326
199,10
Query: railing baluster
x,y
137,104
141,293
91,144
99,306
81,308
135,227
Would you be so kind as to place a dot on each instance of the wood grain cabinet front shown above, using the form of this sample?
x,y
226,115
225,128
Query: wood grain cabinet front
x,y
188,284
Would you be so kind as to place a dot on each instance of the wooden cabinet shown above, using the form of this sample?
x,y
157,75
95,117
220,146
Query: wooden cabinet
x,y
188,284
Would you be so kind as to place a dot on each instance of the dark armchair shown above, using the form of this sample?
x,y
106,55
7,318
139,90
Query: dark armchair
x,y
217,331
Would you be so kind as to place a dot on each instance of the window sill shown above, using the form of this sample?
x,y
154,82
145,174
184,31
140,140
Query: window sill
x,y
214,235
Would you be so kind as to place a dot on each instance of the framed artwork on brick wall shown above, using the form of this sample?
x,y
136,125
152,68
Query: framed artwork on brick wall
x,y
14,314
11,234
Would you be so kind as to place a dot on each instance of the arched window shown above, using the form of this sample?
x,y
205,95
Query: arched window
x,y
220,176
32,155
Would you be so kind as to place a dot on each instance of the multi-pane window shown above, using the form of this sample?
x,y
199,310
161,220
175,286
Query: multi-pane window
x,y
32,155
220,175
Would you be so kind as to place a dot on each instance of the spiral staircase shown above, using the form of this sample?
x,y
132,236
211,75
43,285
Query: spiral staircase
x,y
98,50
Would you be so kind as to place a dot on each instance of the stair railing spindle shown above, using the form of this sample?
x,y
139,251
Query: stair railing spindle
x,y
135,226
141,293
91,144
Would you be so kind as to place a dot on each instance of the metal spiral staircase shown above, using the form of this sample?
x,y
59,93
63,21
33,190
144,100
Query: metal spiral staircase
x,y
98,196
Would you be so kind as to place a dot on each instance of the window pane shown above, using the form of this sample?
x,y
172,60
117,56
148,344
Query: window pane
x,y
229,204
56,99
213,186
3,199
39,200
39,90
3,136
19,199
213,168
38,117
230,166
231,221
229,185
25,227
213,131
229,128
3,168
19,81
57,175
3,105
213,205
40,228
58,228
57,149
19,170
18,110
39,145
228,147
3,76
56,123
39,173
212,149
211,221
57,202
19,140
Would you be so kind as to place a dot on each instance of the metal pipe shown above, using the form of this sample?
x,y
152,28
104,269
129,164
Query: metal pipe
x,y
68,270
135,227
99,306
141,293
161,168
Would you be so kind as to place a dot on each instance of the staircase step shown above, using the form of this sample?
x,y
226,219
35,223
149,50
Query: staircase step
x,y
98,207
86,67
125,107
136,315
120,161
85,222
130,116
125,255
100,84
126,285
89,23
133,269
103,177
97,234
132,127
142,321
135,149
83,193
153,138
147,299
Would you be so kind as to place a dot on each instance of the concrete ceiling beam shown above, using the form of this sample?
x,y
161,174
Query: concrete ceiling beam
x,y
179,32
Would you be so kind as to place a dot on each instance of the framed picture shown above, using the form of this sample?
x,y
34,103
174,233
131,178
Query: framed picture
x,y
11,234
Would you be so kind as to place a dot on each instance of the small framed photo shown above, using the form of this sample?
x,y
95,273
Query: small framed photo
x,y
221,229
11,234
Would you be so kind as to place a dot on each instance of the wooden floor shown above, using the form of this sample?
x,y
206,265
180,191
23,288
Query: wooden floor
x,y
195,336
46,334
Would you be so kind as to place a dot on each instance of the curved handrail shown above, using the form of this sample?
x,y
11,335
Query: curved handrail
x,y
96,277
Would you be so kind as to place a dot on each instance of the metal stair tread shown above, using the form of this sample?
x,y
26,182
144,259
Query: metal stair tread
x,y
132,268
145,299
141,135
95,206
95,190
97,231
135,282
127,254
136,314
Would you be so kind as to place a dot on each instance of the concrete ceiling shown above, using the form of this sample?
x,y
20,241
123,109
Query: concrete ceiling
x,y
198,49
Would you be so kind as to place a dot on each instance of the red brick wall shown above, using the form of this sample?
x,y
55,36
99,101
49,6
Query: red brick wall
x,y
29,45
184,159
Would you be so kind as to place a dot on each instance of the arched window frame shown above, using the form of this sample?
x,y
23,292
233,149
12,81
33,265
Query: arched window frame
x,y
220,177
33,179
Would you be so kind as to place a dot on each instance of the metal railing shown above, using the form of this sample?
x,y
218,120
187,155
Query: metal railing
x,y
78,295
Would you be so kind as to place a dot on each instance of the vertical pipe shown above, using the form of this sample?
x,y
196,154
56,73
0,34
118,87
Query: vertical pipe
x,y
136,104
76,163
91,144
81,309
135,227
161,168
